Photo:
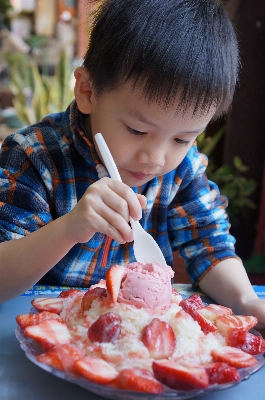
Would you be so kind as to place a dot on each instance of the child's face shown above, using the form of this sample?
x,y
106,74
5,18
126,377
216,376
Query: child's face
x,y
145,139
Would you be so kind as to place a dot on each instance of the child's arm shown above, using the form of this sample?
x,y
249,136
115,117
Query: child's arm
x,y
227,283
105,207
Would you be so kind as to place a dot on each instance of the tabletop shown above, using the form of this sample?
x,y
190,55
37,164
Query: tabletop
x,y
21,379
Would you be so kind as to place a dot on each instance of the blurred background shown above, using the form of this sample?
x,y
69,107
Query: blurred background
x,y
42,41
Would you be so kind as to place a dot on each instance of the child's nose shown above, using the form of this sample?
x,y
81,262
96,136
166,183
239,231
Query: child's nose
x,y
153,156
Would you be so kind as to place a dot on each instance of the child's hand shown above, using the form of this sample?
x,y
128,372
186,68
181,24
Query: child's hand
x,y
106,207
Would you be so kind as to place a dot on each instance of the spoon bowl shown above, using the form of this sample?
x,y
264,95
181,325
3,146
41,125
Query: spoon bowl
x,y
145,248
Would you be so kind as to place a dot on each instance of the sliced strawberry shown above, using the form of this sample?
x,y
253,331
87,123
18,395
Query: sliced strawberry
x,y
246,341
176,297
114,277
24,320
106,328
62,357
159,338
227,323
49,333
139,380
101,283
212,311
220,372
193,301
67,293
96,370
180,375
48,304
91,295
234,357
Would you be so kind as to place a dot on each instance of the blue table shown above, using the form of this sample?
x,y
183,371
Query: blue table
x,y
21,379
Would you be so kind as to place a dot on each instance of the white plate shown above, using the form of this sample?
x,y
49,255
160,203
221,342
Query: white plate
x,y
32,350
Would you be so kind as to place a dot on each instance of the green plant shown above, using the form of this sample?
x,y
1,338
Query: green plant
x,y
37,94
230,179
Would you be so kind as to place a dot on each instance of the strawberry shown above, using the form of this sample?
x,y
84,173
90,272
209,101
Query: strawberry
x,y
227,323
96,370
180,375
101,283
114,277
176,297
220,372
191,305
106,328
159,338
234,357
212,311
246,341
91,295
62,357
49,333
193,301
67,293
48,304
24,320
139,380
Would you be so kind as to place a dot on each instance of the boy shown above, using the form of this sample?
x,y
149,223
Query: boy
x,y
154,75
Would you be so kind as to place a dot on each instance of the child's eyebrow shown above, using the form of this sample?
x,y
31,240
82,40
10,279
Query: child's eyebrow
x,y
140,117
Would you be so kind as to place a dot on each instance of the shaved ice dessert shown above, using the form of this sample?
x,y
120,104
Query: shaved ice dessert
x,y
133,331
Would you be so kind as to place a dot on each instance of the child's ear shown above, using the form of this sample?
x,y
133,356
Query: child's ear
x,y
83,90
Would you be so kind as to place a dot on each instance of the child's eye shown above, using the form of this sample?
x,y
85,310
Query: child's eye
x,y
183,142
134,131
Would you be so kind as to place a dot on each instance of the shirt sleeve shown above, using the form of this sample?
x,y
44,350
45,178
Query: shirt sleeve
x,y
198,223
24,196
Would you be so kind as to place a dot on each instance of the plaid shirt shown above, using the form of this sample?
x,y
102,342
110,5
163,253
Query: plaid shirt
x,y
46,168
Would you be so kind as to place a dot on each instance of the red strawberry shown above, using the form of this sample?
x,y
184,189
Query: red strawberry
x,y
114,277
212,311
180,375
159,338
91,295
246,341
106,328
49,333
48,304
101,283
67,293
193,301
62,357
139,380
227,323
220,372
234,357
96,370
191,305
24,320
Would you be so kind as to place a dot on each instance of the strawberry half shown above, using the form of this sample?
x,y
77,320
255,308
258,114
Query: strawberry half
x,y
106,328
220,372
227,323
49,304
114,277
212,311
180,375
91,295
67,293
62,357
234,357
139,380
49,333
96,370
24,320
159,338
101,283
191,306
246,341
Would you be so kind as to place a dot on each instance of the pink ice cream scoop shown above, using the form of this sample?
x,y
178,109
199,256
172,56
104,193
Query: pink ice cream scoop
x,y
146,285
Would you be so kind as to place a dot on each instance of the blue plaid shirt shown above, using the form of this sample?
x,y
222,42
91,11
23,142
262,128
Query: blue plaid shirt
x,y
45,170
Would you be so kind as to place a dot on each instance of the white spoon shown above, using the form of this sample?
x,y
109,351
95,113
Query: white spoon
x,y
146,250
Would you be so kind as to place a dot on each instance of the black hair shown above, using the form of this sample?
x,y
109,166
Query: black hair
x,y
170,47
